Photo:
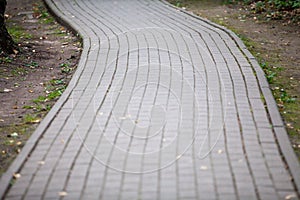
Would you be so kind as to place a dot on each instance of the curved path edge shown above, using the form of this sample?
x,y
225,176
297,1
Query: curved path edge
x,y
278,125
273,113
17,164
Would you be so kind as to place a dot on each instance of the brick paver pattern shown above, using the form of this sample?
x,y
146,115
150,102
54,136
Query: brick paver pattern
x,y
163,106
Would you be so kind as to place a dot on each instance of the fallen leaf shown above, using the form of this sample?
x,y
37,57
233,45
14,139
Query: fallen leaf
x,y
220,151
63,193
290,196
203,167
41,162
35,121
7,90
16,175
14,134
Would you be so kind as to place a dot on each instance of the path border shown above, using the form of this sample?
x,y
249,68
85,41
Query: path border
x,y
284,144
7,177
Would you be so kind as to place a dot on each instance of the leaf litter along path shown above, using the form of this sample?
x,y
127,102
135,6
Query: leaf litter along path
x,y
276,45
165,105
32,80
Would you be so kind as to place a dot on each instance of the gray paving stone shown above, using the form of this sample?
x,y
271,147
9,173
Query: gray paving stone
x,y
164,58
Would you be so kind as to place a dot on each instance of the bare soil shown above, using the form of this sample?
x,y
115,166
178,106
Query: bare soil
x,y
275,43
32,80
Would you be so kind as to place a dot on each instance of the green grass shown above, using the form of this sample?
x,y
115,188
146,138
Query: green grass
x,y
32,64
19,71
18,33
6,60
31,119
65,68
55,94
54,89
44,16
40,99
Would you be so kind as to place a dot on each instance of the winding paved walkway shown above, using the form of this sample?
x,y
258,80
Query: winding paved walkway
x,y
163,105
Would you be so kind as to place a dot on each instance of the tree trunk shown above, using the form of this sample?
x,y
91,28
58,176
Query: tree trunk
x,y
7,44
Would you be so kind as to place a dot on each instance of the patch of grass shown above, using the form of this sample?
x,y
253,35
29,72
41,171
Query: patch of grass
x,y
19,71
18,33
41,12
31,119
28,107
59,32
65,68
54,90
270,72
40,99
57,82
48,20
32,64
284,97
6,60
55,94
38,107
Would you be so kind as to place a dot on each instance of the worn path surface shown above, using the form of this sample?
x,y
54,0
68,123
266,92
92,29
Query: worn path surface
x,y
163,105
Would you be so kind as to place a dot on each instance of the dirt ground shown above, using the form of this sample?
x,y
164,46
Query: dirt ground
x,y
32,80
275,43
